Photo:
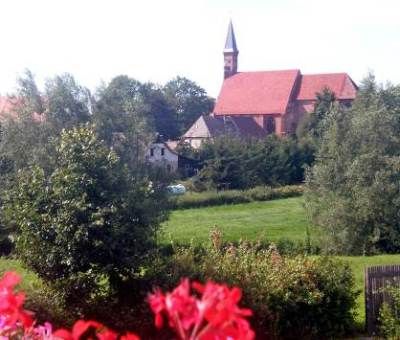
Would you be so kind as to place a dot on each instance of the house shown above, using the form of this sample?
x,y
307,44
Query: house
x,y
275,101
163,154
160,154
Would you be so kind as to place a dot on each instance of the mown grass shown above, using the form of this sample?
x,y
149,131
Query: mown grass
x,y
255,221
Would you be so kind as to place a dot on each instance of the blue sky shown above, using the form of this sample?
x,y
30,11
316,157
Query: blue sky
x,y
156,40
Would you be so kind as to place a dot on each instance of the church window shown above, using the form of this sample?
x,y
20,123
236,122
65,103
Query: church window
x,y
270,125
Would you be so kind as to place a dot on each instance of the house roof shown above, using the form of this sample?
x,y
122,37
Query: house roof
x,y
8,109
339,83
266,92
212,126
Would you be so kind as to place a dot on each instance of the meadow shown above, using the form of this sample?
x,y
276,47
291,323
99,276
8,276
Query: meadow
x,y
261,221
255,221
271,220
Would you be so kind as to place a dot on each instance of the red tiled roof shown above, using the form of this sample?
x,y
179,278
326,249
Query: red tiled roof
x,y
256,93
339,83
8,106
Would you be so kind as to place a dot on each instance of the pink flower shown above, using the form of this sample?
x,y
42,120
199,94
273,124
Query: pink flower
x,y
215,315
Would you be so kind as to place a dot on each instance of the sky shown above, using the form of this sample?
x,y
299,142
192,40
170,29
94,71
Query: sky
x,y
156,40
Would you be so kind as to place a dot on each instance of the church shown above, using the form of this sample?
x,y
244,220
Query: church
x,y
259,103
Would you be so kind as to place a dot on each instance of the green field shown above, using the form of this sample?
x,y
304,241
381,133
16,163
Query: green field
x,y
270,220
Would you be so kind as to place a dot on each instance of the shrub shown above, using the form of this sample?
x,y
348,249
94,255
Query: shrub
x,y
87,226
292,297
389,315
211,198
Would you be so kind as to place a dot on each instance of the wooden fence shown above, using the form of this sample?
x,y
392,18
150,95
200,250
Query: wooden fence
x,y
376,280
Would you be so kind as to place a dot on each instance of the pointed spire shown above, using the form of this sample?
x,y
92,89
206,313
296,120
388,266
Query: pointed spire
x,y
230,44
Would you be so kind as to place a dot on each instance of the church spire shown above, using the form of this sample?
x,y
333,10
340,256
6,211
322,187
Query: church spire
x,y
230,53
230,44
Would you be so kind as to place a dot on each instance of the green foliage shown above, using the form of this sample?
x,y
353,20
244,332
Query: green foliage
x,y
188,100
314,125
68,104
212,198
234,163
88,225
389,315
352,190
298,297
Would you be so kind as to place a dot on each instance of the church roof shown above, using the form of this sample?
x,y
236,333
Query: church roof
x,y
230,44
339,83
266,92
271,92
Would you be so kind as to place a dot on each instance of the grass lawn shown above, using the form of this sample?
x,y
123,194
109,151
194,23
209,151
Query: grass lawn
x,y
270,220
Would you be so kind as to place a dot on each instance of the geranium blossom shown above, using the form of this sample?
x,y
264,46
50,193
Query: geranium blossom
x,y
215,315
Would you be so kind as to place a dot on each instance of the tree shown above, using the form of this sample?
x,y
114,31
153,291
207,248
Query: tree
x,y
353,191
67,103
313,125
90,223
188,100
121,121
239,163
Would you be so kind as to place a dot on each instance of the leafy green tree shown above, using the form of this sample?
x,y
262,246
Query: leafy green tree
x,y
188,100
67,103
238,163
121,121
353,191
159,111
313,125
88,226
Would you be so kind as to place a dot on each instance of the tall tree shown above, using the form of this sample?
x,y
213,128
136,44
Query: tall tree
x,y
67,103
121,121
353,191
189,101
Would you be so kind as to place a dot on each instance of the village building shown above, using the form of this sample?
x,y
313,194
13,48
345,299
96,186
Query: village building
x,y
275,101
162,154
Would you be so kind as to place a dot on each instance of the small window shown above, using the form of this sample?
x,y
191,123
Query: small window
x,y
162,151
151,152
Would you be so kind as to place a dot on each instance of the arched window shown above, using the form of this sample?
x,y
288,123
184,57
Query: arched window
x,y
270,125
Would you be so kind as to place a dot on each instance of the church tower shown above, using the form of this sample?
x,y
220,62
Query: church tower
x,y
230,53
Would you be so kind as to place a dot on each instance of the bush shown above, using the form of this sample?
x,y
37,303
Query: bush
x,y
87,227
211,198
389,315
234,163
292,297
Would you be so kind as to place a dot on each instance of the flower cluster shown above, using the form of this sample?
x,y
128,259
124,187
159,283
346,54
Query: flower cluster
x,y
214,315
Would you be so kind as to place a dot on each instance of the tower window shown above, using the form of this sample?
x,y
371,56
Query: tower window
x,y
152,152
162,151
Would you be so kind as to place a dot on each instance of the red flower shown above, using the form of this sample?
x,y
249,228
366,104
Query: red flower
x,y
12,312
215,316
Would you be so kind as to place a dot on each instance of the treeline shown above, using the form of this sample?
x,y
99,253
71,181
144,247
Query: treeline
x,y
230,162
125,112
